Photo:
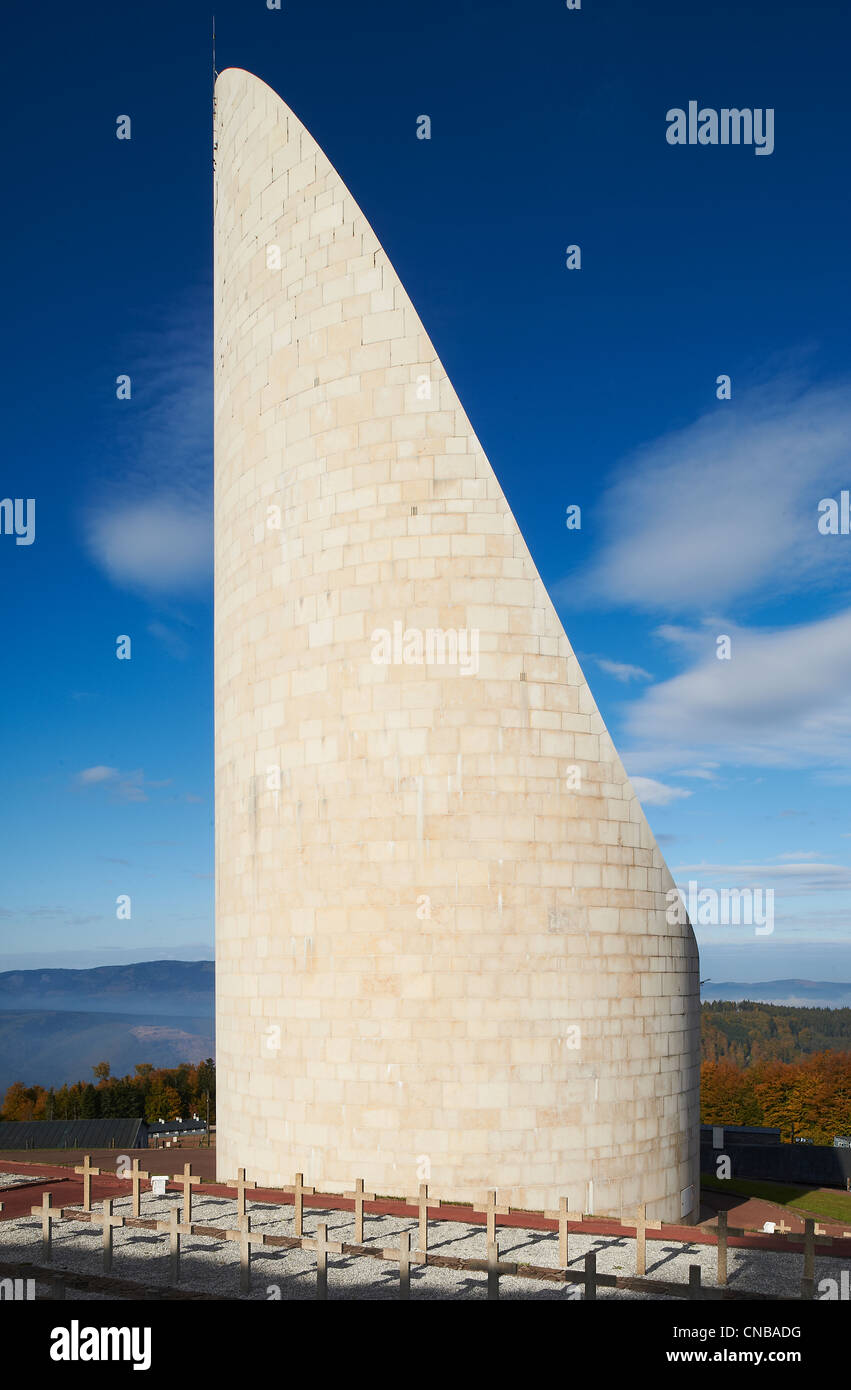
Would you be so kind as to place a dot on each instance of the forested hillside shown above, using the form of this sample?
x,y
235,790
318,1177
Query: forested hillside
x,y
152,1093
747,1033
810,1099
777,1065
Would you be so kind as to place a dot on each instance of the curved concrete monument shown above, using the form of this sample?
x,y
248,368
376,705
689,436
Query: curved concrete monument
x,y
442,949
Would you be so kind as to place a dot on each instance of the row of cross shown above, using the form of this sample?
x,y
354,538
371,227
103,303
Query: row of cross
x,y
175,1227
403,1255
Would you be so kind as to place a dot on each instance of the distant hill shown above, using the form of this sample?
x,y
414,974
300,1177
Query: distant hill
x,y
169,987
55,1025
803,993
50,1048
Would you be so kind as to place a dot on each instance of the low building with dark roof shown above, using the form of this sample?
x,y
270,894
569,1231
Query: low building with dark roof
x,y
73,1134
738,1134
174,1129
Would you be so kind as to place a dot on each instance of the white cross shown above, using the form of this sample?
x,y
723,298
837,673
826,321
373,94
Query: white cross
x,y
299,1193
493,1211
421,1203
136,1177
48,1216
323,1247
107,1221
721,1241
642,1225
359,1197
174,1229
404,1258
562,1216
240,1184
88,1173
187,1182
247,1238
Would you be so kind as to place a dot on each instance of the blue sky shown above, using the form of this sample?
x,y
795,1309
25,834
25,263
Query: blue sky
x,y
596,387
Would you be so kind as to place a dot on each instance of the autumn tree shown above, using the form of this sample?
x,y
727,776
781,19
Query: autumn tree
x,y
163,1102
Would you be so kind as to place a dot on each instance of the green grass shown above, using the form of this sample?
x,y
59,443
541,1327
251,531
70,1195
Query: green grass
x,y
814,1201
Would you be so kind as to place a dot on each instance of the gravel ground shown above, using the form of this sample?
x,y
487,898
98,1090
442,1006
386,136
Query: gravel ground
x,y
9,1179
212,1265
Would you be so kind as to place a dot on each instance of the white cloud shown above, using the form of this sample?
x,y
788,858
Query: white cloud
x,y
100,773
726,505
783,700
160,545
622,671
170,638
794,879
123,786
150,529
802,854
653,793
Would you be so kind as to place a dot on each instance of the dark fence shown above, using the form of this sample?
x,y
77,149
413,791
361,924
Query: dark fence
x,y
797,1163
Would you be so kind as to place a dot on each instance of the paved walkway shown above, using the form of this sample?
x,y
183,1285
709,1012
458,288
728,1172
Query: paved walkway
x,y
753,1212
167,1161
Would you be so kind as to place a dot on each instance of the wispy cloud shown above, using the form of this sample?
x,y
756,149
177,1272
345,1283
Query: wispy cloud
x,y
48,914
90,775
123,786
169,638
797,854
727,505
653,793
160,546
622,671
150,528
783,700
795,879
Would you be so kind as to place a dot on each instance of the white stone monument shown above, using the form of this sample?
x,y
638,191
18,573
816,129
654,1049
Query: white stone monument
x,y
442,951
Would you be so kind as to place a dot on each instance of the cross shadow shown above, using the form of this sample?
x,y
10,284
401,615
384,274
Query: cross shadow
x,y
479,1285
671,1254
470,1234
386,1239
534,1238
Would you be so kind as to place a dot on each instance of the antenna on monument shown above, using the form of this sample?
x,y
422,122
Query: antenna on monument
x,y
215,75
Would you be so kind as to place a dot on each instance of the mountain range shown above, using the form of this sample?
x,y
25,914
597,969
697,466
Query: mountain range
x,y
56,1025
155,986
814,994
